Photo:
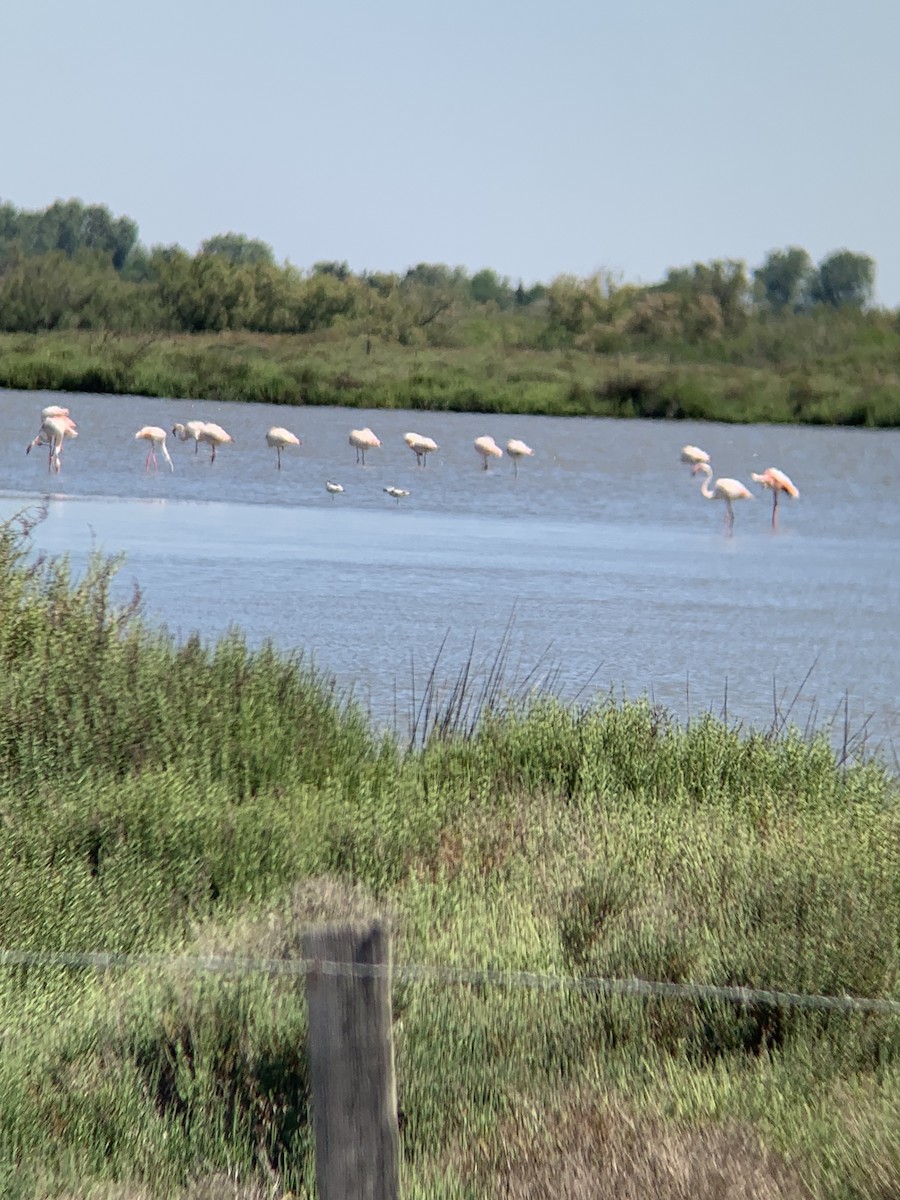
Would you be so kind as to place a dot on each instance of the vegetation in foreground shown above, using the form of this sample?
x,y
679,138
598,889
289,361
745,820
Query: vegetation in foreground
x,y
171,800
85,307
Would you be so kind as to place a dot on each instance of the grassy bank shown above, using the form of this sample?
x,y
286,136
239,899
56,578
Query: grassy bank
x,y
175,800
832,386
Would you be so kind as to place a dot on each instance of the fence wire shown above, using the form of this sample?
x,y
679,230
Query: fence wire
x,y
453,976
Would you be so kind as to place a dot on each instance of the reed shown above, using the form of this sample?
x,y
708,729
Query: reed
x,y
851,385
170,799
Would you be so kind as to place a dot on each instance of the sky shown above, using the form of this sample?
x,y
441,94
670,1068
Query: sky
x,y
535,139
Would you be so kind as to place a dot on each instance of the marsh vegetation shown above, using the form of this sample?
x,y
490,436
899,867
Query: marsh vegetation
x,y
170,801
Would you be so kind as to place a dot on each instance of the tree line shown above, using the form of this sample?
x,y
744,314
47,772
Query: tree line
x,y
73,266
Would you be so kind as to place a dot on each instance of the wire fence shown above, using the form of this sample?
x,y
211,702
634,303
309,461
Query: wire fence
x,y
454,976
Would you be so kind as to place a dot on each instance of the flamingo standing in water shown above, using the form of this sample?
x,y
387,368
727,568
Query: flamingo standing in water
x,y
214,435
53,431
421,446
157,439
693,455
363,440
778,482
487,448
279,438
725,489
516,450
187,431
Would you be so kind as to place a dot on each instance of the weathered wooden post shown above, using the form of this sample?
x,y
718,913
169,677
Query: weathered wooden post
x,y
351,1063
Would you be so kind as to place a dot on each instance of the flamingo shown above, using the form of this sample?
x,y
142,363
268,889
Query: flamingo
x,y
190,429
279,438
334,488
487,448
725,489
397,492
157,439
693,455
214,436
53,431
778,482
53,410
363,440
516,450
421,446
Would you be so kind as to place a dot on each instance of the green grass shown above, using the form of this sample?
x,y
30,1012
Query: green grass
x,y
843,385
189,799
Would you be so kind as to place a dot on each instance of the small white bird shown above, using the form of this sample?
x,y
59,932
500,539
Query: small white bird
x,y
516,450
397,492
189,430
487,448
363,440
279,438
421,447
157,439
334,488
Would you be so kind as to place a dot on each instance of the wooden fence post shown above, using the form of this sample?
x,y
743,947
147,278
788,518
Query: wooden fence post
x,y
351,1064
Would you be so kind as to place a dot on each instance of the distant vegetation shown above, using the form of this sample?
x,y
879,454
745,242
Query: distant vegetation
x,y
84,306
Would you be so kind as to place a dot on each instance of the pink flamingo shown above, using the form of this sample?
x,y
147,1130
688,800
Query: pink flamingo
x,y
516,450
279,438
187,431
53,431
487,448
693,455
214,436
725,489
363,440
778,482
421,447
157,439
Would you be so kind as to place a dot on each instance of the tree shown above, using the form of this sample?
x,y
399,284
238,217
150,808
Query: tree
x,y
784,280
487,286
844,280
239,250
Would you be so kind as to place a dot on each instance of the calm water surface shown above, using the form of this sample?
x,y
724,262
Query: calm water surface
x,y
601,557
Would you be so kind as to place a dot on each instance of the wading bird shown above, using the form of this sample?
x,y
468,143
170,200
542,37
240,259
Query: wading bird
x,y
53,431
187,431
516,450
279,438
487,448
157,439
334,488
214,435
693,455
725,489
54,410
421,447
363,440
778,482
397,493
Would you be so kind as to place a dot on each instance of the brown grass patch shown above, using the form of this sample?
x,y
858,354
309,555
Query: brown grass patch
x,y
589,1147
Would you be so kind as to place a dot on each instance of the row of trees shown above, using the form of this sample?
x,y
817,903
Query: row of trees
x,y
76,266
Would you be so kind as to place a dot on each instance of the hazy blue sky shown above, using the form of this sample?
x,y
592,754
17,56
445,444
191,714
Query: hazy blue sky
x,y
535,139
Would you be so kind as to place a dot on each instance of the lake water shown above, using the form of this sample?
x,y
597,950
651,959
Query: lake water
x,y
600,565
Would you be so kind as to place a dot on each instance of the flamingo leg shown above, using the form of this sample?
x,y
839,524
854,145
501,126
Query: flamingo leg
x,y
213,458
729,519
775,509
515,468
278,456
